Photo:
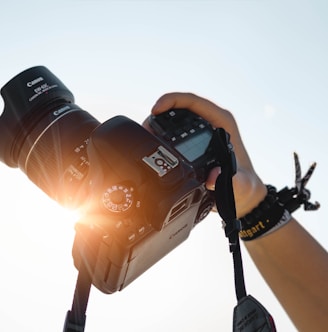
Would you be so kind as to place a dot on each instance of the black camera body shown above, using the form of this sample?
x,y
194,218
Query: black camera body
x,y
146,199
141,193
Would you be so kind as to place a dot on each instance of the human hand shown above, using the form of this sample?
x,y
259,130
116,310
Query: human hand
x,y
248,188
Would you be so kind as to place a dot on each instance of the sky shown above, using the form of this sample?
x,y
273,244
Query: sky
x,y
264,60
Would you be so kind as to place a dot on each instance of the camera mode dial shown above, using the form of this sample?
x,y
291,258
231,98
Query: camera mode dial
x,y
118,198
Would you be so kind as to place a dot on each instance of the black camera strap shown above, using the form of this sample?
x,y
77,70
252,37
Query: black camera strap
x,y
249,315
76,317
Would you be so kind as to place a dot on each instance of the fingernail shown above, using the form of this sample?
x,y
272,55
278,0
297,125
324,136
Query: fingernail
x,y
210,187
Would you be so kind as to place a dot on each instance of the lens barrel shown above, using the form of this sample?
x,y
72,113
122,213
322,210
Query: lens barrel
x,y
45,134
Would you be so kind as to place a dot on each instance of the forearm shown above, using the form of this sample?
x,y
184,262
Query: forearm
x,y
295,267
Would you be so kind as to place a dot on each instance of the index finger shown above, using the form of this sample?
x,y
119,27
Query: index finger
x,y
214,114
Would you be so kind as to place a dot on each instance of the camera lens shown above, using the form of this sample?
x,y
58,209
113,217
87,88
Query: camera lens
x,y
45,134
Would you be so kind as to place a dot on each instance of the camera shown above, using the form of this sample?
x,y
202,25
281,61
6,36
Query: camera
x,y
140,192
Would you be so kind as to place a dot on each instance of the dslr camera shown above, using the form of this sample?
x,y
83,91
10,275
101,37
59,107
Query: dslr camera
x,y
141,192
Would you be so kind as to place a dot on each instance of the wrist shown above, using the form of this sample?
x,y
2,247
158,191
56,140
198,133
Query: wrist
x,y
247,201
269,215
275,208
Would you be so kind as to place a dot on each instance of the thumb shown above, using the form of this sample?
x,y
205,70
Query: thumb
x,y
211,179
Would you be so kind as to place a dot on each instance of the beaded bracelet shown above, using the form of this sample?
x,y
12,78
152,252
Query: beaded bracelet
x,y
276,208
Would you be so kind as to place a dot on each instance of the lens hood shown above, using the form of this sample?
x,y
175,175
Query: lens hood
x,y
26,99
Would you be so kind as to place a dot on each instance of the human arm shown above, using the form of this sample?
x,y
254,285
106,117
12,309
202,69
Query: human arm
x,y
295,266
291,261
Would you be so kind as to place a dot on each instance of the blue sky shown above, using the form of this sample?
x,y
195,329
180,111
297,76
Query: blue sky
x,y
264,60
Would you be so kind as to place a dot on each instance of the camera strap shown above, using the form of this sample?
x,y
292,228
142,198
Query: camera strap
x,y
76,317
249,315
